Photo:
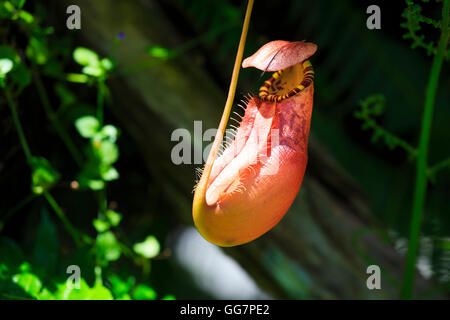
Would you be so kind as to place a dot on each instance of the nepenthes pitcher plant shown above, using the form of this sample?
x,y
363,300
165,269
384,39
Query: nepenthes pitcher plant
x,y
246,191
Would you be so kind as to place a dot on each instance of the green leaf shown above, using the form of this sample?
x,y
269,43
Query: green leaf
x,y
65,292
107,152
106,64
113,217
20,76
158,52
6,9
26,16
94,71
45,252
45,294
96,184
87,126
6,66
108,246
29,282
149,248
77,78
109,132
25,267
11,253
99,292
85,56
37,50
143,292
18,3
43,175
121,288
110,174
101,225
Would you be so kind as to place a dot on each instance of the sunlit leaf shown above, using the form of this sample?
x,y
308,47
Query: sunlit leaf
x,y
85,56
143,292
93,70
110,174
87,126
96,184
149,248
6,66
108,246
43,175
109,132
45,294
121,288
6,9
100,225
106,64
158,52
29,282
77,78
25,267
26,16
99,292
107,152
113,217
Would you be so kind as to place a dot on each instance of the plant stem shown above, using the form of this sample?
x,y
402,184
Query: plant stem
x,y
412,152
439,166
201,187
102,202
100,101
100,111
76,235
16,208
98,274
52,116
18,125
421,168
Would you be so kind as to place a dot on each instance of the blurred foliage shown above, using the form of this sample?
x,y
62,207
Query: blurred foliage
x,y
38,275
374,106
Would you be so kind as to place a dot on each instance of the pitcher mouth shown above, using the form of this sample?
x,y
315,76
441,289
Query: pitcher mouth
x,y
273,90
